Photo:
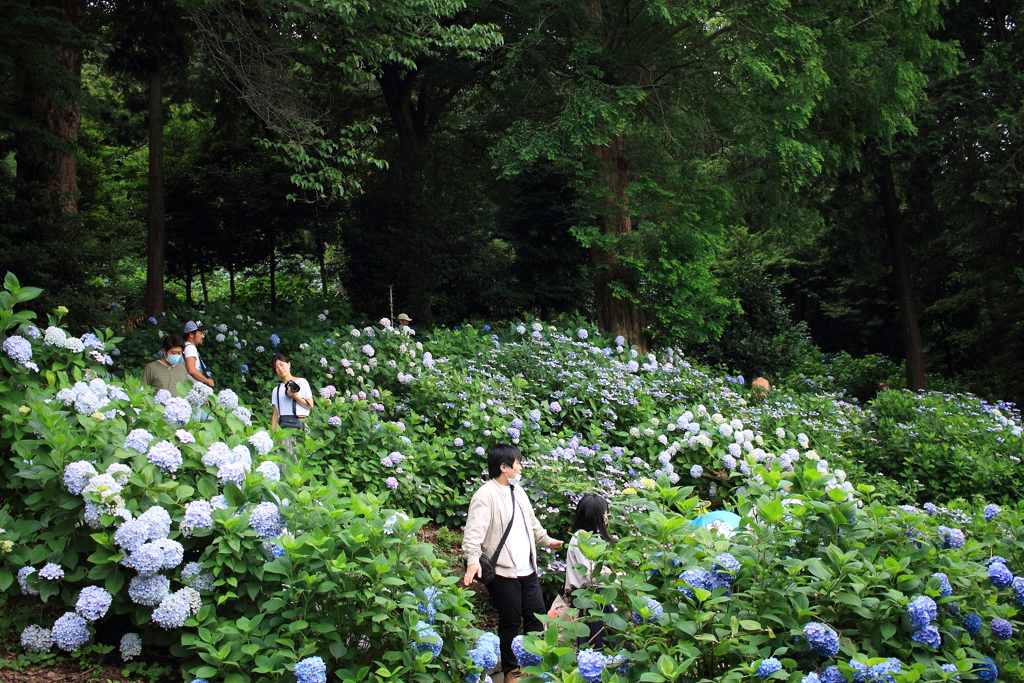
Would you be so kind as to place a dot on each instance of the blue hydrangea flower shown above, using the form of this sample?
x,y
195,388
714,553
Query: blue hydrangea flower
x,y
860,671
697,578
149,589
990,511
922,611
696,471
811,678
227,399
929,635
275,340
36,639
193,575
882,673
484,655
522,656
157,521
822,638
266,521
269,470
950,669
77,476
130,535
172,611
767,667
262,442
243,414
198,515
1018,587
334,421
986,671
18,349
177,411
70,632
311,670
1000,575
591,664
138,440
1001,629
972,622
165,455
996,558
951,538
654,608
93,602
131,646
945,589
26,587
832,674
492,641
428,639
51,572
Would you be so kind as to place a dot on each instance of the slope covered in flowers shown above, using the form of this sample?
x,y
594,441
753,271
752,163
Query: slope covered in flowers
x,y
252,559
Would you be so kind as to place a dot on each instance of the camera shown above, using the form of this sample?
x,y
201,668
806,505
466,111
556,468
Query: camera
x,y
292,386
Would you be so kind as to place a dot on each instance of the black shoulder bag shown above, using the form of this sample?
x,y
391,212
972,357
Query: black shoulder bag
x,y
287,421
488,564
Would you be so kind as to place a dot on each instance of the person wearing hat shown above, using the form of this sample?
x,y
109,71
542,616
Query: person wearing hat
x,y
195,332
404,320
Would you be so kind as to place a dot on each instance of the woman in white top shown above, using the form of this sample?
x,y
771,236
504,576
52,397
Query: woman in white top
x,y
592,517
195,332
292,397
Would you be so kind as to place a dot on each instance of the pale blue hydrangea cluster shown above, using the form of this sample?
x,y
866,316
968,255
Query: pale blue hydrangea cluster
x,y
149,589
334,421
77,476
177,411
165,455
131,646
767,667
262,442
951,538
36,639
232,464
269,470
243,414
51,572
990,511
105,486
93,602
227,399
138,440
822,638
91,398
185,436
198,395
175,608
70,632
192,575
428,639
54,336
18,349
154,556
922,611
929,635
266,520
198,515
311,670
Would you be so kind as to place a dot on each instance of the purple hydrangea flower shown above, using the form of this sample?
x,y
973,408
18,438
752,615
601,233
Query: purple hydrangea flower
x,y
51,572
522,656
311,670
999,575
391,483
990,511
767,667
822,638
1001,629
591,664
929,635
922,611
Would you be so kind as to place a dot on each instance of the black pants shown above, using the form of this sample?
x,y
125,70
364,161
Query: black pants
x,y
518,602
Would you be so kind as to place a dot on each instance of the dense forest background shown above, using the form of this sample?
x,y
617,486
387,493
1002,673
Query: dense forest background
x,y
754,183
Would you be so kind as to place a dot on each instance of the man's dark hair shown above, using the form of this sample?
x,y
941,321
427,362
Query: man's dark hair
x,y
758,371
590,514
172,340
501,454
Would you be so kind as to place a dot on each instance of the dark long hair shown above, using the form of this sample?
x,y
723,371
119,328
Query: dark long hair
x,y
590,512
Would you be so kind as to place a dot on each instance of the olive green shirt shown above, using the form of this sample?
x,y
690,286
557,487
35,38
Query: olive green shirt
x,y
159,376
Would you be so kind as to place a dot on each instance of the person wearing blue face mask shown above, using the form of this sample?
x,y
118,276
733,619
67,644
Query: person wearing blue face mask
x,y
169,370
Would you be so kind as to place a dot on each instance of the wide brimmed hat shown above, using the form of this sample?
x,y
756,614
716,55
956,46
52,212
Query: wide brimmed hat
x,y
403,316
195,326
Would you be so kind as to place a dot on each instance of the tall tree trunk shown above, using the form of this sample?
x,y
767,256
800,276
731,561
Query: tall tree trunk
x,y
155,211
616,315
231,279
320,249
273,272
188,284
51,165
912,345
206,290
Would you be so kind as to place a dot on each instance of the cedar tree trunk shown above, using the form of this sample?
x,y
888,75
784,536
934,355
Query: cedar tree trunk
x,y
155,211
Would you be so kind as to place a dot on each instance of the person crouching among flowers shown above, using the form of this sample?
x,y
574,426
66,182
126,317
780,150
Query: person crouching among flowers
x,y
515,590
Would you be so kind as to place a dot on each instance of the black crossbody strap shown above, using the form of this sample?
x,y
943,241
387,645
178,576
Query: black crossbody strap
x,y
501,544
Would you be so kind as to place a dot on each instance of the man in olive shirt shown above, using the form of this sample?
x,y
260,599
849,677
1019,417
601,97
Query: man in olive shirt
x,y
167,371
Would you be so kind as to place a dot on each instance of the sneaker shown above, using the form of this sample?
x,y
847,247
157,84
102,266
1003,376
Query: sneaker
x,y
514,675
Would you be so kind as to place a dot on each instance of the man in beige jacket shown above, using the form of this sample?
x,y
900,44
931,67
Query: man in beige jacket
x,y
515,591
